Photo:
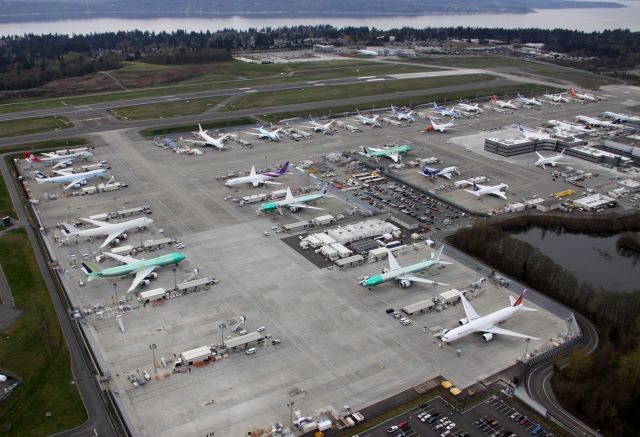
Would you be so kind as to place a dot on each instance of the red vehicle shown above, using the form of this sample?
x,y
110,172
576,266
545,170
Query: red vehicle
x,y
404,425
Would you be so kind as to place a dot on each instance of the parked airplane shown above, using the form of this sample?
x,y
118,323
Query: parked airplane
x,y
266,134
445,112
364,52
404,275
406,116
259,179
439,127
58,160
557,98
583,96
496,190
142,268
444,172
319,127
71,179
470,108
531,102
597,122
562,126
110,230
622,117
503,104
486,324
372,121
532,135
395,152
294,203
551,160
208,140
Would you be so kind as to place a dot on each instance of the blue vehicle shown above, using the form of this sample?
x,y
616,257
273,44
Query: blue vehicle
x,y
537,430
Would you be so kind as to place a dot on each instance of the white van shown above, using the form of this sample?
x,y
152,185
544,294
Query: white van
x,y
250,351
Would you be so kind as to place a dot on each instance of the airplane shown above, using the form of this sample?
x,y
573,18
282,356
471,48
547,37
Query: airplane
x,y
622,117
531,102
367,120
439,127
142,268
445,112
259,179
583,96
319,127
58,160
294,203
470,108
208,140
406,116
568,127
364,52
596,122
502,103
110,230
394,153
557,98
551,160
266,134
496,190
444,172
532,135
486,324
404,275
71,178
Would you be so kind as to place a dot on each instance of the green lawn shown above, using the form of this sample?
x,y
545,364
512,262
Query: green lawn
x,y
63,143
217,124
6,206
34,349
321,93
26,126
166,109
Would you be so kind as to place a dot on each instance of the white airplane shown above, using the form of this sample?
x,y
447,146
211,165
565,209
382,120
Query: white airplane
x,y
622,117
266,134
58,160
71,179
557,98
259,179
110,230
532,135
470,108
445,112
551,160
503,104
295,203
319,127
372,121
561,126
496,190
531,102
597,122
208,140
583,96
439,127
433,172
486,324
406,116
365,52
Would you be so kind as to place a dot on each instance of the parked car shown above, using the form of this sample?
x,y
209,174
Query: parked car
x,y
250,351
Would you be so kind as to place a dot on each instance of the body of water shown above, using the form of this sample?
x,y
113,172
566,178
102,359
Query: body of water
x,y
592,259
581,19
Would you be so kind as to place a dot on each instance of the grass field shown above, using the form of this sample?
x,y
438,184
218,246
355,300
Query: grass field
x,y
320,93
6,206
34,349
26,126
167,109
62,143
218,124
522,67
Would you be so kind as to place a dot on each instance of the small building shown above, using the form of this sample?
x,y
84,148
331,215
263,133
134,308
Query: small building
x,y
247,340
351,261
405,221
330,253
325,239
533,202
122,250
547,205
156,244
630,184
515,207
194,285
343,252
152,295
314,241
196,355
296,226
419,307
450,296
594,202
378,253
324,220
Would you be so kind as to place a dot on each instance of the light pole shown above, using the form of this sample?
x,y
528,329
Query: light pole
x,y
153,348
526,349
222,326
115,201
290,405
115,293
175,284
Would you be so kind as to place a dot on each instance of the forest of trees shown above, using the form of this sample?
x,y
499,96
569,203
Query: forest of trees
x,y
30,61
603,389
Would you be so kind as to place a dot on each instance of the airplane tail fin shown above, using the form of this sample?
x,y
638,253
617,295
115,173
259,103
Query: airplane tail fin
x,y
437,255
31,158
520,299
283,169
494,98
475,187
572,92
91,270
520,95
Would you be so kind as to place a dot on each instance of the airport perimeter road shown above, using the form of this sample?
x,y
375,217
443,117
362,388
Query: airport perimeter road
x,y
98,423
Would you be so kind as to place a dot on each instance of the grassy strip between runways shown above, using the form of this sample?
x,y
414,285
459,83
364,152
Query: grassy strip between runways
x,y
6,207
171,108
321,93
63,143
25,126
47,401
217,124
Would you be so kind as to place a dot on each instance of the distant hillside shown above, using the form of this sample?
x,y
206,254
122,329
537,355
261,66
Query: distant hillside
x,y
15,10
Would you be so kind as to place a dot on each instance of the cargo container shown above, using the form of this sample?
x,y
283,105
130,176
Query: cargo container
x,y
152,295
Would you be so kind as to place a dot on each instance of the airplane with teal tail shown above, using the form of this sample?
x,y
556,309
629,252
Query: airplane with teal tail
x,y
393,152
142,268
404,275
294,203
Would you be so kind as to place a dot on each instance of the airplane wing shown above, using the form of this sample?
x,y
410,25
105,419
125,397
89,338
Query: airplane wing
x,y
539,155
302,205
140,275
475,193
395,157
393,262
112,236
500,193
198,142
272,183
468,309
253,133
446,175
65,162
122,258
413,278
63,172
496,330
95,222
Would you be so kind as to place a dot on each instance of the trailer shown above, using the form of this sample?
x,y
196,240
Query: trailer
x,y
342,251
196,355
152,295
330,253
323,220
450,296
194,285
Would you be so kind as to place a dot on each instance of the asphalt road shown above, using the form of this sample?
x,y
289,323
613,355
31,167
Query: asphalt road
x,y
98,422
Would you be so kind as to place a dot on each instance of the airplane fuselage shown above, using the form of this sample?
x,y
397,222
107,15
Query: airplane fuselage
x,y
114,227
73,177
479,324
161,261
270,206
257,179
372,281
622,117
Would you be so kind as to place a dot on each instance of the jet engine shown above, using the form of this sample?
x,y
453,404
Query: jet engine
x,y
256,184
405,283
152,275
144,282
487,336
385,270
463,322
293,208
